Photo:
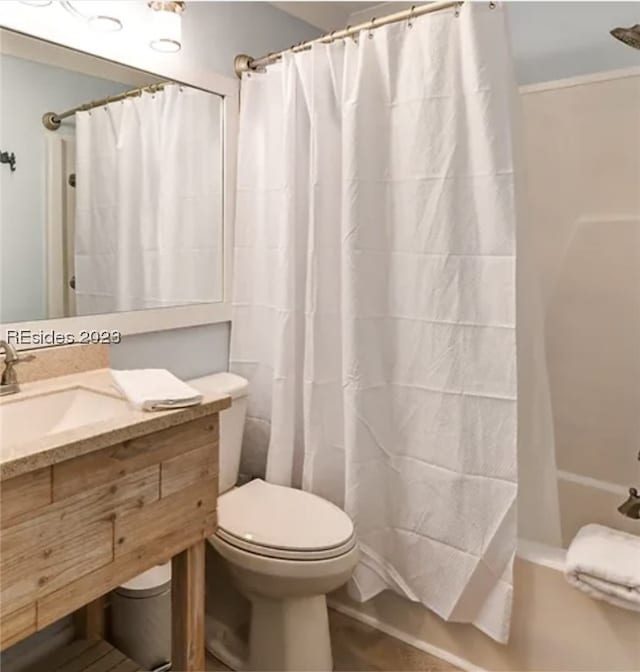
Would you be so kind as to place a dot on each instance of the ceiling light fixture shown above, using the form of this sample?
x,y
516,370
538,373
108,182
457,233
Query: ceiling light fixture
x,y
97,22
104,24
166,35
36,3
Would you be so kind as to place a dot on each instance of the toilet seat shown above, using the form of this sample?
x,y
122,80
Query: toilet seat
x,y
284,523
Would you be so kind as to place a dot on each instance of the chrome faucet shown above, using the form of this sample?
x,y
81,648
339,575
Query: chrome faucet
x,y
631,507
9,380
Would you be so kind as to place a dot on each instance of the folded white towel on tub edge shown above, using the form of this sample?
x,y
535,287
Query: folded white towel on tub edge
x,y
605,564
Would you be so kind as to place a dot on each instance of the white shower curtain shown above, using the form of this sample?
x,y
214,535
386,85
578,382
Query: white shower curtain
x,y
374,309
148,199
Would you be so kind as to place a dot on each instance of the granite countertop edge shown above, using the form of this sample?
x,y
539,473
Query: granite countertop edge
x,y
45,451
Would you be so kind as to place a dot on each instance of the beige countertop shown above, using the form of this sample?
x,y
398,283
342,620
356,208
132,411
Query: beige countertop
x,y
21,458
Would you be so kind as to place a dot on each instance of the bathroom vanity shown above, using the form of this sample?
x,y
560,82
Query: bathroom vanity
x,y
94,493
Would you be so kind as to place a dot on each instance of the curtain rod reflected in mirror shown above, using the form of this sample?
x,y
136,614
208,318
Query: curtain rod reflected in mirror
x,y
52,121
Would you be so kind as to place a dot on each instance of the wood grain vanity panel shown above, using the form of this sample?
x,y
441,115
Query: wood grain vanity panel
x,y
25,494
187,652
192,505
90,622
17,625
87,656
122,569
81,662
101,503
59,659
72,532
109,464
182,471
35,569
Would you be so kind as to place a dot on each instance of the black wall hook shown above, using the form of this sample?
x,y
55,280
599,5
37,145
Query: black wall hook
x,y
5,157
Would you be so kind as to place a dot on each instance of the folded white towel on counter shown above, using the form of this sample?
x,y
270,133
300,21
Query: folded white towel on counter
x,y
605,564
154,389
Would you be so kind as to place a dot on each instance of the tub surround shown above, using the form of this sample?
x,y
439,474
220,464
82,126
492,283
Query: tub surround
x,y
583,501
583,199
554,627
86,509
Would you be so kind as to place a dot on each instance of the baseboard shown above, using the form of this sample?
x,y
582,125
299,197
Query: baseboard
x,y
373,622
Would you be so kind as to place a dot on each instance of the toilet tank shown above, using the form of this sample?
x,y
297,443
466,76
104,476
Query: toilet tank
x,y
231,421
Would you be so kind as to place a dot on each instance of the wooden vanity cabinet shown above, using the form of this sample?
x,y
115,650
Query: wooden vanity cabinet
x,y
73,531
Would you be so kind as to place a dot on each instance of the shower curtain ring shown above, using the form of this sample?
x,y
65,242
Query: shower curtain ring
x,y
411,16
371,27
492,5
458,8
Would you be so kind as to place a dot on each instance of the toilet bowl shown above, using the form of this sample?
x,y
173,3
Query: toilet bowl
x,y
285,549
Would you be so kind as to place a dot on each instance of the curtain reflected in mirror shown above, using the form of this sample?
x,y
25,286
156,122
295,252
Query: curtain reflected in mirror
x,y
144,170
116,203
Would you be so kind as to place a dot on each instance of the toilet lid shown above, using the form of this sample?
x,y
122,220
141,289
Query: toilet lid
x,y
283,522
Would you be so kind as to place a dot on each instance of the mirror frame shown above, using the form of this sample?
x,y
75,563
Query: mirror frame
x,y
156,319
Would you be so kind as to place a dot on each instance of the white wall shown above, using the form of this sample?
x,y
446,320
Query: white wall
x,y
553,40
187,353
213,32
30,89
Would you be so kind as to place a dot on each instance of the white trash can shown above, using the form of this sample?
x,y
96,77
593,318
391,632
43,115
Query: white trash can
x,y
141,618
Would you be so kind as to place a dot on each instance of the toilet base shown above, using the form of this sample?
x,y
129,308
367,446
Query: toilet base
x,y
225,645
289,624
290,634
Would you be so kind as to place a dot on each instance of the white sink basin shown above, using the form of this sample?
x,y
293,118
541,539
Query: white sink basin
x,y
30,418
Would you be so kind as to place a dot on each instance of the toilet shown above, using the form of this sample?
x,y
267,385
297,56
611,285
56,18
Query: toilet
x,y
285,549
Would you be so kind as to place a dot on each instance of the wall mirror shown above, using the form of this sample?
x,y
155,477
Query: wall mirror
x,y
113,192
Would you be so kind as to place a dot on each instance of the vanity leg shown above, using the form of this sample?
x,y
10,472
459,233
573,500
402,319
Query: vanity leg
x,y
89,622
187,599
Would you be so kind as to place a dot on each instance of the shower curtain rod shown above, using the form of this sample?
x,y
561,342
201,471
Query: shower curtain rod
x,y
244,63
51,120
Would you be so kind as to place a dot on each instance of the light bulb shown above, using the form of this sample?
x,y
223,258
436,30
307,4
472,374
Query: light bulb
x,y
104,24
98,22
166,27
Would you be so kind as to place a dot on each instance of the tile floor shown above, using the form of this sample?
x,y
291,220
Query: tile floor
x,y
360,648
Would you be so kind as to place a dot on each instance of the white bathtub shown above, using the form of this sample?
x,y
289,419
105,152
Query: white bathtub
x,y
554,626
